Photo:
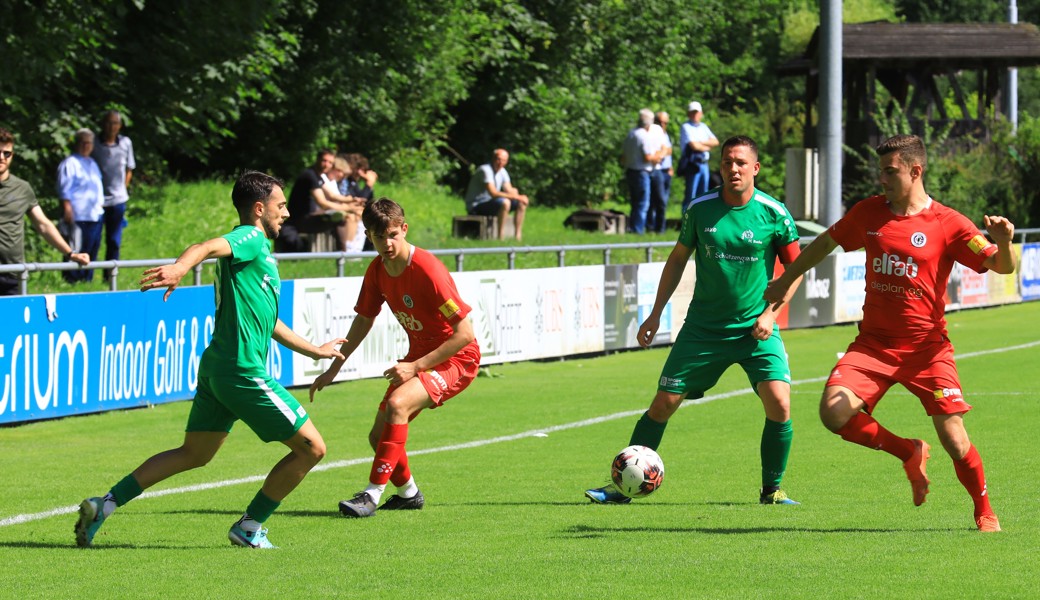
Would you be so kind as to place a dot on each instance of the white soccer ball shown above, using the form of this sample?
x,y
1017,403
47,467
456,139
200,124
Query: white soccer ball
x,y
637,471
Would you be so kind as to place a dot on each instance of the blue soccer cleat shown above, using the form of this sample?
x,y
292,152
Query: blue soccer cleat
x,y
608,494
91,516
249,539
777,497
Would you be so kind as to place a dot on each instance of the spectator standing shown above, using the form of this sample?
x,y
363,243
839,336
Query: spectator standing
x,y
695,137
641,152
17,200
491,193
114,154
661,179
82,200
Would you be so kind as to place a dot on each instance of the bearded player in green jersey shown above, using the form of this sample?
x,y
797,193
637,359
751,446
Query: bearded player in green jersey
x,y
736,233
233,381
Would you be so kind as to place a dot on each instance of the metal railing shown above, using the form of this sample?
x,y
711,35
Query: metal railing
x,y
341,258
511,252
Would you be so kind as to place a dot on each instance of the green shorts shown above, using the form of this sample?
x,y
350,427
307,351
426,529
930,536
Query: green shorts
x,y
696,363
261,402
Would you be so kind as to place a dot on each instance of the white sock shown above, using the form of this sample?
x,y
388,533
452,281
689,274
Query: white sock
x,y
408,489
375,491
109,505
248,524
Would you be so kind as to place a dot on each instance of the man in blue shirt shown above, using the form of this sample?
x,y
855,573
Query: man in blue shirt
x,y
700,140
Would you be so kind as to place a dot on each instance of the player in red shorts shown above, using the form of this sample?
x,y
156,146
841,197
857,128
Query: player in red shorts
x,y
443,356
911,243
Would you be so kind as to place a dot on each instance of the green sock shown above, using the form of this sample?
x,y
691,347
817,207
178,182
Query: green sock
x,y
647,432
126,490
261,508
776,447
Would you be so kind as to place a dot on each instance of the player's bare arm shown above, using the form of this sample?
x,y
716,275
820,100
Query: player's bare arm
x,y
781,288
1002,231
49,232
403,371
293,341
670,277
358,330
169,276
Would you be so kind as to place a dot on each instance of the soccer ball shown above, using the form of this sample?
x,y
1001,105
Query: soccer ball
x,y
637,471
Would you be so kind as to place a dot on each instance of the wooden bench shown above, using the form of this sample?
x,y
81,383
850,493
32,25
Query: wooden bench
x,y
480,227
611,224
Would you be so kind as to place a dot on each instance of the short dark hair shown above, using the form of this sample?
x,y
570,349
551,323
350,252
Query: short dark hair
x,y
6,137
741,140
382,215
252,187
910,148
358,162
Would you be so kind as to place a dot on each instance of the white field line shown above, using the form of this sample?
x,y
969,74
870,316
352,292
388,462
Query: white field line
x,y
337,464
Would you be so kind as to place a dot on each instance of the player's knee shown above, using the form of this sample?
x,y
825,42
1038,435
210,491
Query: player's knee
x,y
194,458
397,408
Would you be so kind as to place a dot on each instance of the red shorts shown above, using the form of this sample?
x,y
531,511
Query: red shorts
x,y
927,369
448,379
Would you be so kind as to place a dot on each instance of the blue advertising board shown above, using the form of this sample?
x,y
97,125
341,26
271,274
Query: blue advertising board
x,y
1030,269
72,354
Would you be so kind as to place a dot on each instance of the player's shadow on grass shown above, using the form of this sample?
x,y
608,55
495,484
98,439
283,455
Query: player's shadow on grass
x,y
589,531
331,512
102,546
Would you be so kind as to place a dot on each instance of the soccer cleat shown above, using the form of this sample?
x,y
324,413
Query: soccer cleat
x,y
396,502
361,505
249,539
91,516
608,494
777,497
988,523
915,471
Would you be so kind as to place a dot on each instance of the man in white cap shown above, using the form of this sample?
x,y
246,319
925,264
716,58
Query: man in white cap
x,y
696,139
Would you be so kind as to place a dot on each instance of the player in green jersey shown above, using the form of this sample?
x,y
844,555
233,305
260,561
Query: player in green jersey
x,y
233,382
735,234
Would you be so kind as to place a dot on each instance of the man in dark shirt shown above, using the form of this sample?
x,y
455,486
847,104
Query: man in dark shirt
x,y
17,200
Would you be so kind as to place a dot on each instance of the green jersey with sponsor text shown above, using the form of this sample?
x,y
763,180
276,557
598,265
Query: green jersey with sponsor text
x,y
735,250
246,291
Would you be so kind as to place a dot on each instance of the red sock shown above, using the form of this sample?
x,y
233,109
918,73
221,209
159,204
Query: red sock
x,y
388,453
401,473
969,471
862,429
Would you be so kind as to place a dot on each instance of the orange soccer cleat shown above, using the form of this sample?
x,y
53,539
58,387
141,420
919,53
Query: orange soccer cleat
x,y
988,523
914,467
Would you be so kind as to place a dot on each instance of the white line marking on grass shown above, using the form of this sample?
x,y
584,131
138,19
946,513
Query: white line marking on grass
x,y
337,464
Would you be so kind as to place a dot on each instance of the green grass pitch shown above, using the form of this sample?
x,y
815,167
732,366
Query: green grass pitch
x,y
503,468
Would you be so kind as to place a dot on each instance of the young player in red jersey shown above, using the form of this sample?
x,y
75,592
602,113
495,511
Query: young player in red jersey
x,y
443,356
911,243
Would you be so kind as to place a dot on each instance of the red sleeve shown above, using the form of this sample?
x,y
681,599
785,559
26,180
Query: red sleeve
x,y
788,253
445,294
966,243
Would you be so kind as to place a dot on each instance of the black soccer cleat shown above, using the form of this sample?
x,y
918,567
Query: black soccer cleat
x,y
396,502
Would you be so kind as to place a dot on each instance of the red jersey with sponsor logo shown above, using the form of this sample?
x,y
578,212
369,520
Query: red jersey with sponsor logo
x,y
423,298
909,260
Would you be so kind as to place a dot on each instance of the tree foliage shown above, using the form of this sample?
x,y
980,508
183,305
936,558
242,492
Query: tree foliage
x,y
425,89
